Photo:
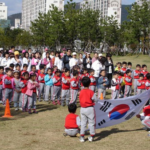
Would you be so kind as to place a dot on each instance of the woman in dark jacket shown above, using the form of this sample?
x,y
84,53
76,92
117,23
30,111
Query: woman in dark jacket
x,y
87,61
109,67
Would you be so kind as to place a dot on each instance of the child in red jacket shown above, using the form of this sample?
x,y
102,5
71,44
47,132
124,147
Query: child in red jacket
x,y
141,84
72,122
147,84
1,83
93,80
128,83
144,71
87,98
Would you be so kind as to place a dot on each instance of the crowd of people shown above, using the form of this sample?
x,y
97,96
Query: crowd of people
x,y
59,77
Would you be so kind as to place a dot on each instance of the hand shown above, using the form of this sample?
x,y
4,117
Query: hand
x,y
104,84
138,116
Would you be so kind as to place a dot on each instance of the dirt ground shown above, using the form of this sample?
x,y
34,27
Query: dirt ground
x,y
44,131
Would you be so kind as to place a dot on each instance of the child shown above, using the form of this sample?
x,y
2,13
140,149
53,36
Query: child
x,y
93,80
31,92
25,67
8,86
23,85
33,71
141,84
11,66
56,87
17,67
118,67
17,91
129,66
48,84
128,83
1,83
74,87
87,98
136,73
115,86
102,84
72,121
54,70
144,71
122,83
124,67
65,88
41,83
85,74
147,84
145,116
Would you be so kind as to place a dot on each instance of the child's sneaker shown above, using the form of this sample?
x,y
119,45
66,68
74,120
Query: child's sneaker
x,y
16,109
90,138
54,103
82,139
29,111
58,102
34,111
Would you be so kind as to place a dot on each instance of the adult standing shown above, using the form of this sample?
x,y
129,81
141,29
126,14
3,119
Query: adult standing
x,y
47,61
87,61
73,61
30,52
26,60
35,60
66,59
58,61
95,57
80,61
1,54
98,65
44,53
63,52
5,60
109,67
12,49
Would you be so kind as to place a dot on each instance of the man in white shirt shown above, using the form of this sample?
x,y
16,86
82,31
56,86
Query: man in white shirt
x,y
5,61
1,55
44,53
73,61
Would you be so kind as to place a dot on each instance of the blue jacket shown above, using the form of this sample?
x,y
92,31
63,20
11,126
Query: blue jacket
x,y
48,81
101,81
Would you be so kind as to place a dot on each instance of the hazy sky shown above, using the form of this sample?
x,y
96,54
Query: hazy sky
x,y
14,6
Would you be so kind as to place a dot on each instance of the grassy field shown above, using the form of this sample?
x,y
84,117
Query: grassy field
x,y
44,131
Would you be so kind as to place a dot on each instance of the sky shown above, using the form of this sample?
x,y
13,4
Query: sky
x,y
14,6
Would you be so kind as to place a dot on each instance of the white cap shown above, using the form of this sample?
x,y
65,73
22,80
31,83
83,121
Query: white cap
x,y
100,55
1,49
74,53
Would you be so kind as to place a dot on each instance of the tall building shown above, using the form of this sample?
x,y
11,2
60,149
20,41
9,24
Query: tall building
x,y
3,11
31,9
106,7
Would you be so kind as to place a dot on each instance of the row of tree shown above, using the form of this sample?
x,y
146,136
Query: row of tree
x,y
58,27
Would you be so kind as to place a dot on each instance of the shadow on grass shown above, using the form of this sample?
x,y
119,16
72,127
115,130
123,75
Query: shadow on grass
x,y
19,114
106,133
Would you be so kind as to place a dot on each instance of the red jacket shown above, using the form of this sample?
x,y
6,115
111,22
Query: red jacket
x,y
147,87
66,86
144,73
58,83
142,86
85,98
92,83
70,121
42,76
1,77
8,86
137,72
76,81
82,76
24,89
146,110
128,82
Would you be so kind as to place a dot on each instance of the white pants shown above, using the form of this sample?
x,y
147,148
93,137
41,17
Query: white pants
x,y
72,132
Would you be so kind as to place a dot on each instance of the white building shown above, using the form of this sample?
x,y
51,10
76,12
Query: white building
x,y
31,9
3,11
106,7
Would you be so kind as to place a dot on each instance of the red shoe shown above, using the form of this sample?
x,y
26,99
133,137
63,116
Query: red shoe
x,y
58,102
54,103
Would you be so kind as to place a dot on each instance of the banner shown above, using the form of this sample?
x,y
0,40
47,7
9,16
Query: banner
x,y
112,112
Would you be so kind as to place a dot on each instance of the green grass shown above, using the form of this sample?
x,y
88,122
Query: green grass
x,y
44,131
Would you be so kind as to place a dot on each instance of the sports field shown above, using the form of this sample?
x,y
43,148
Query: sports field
x,y
44,131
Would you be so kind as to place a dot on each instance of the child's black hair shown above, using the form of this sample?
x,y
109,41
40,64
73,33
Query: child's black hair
x,y
91,70
102,71
8,69
115,72
41,66
67,70
124,63
141,75
75,72
17,65
118,63
50,69
130,63
33,66
148,76
57,71
16,72
32,74
128,71
72,108
138,65
86,81
1,67
85,69
25,65
25,73
144,66
11,65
